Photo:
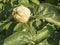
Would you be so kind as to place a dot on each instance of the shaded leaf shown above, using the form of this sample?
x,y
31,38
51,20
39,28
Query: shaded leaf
x,y
54,2
7,25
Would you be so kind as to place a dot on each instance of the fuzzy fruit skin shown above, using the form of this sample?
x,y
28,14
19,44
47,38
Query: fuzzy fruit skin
x,y
21,14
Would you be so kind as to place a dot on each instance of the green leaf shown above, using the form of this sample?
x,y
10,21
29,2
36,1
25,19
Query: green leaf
x,y
36,2
35,24
12,2
24,2
38,22
7,25
4,26
19,38
18,27
54,2
44,33
23,36
48,12
1,26
1,5
45,42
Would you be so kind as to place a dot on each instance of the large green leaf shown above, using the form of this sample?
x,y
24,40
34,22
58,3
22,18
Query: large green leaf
x,y
20,38
48,12
23,36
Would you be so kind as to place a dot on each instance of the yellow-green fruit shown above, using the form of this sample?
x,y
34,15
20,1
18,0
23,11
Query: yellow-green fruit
x,y
21,14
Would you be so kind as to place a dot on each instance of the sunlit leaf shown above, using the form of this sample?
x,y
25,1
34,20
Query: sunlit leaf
x,y
1,6
36,2
19,38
